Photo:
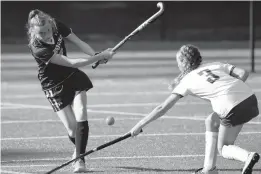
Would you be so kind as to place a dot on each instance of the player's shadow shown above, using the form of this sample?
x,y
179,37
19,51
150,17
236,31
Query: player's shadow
x,y
174,170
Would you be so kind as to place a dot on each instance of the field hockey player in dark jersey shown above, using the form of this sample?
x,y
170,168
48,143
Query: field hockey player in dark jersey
x,y
64,85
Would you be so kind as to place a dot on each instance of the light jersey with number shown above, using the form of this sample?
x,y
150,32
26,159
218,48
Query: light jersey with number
x,y
212,82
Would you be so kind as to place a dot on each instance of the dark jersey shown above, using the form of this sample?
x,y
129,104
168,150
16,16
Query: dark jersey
x,y
51,74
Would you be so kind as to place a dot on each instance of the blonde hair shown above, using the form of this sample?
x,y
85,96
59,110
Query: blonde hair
x,y
190,55
38,18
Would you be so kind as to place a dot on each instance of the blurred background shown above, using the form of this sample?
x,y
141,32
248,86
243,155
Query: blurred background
x,y
99,21
218,25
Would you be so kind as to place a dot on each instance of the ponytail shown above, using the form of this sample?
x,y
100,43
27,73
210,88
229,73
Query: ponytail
x,y
190,55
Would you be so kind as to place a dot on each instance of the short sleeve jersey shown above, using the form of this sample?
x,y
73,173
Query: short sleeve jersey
x,y
213,82
50,74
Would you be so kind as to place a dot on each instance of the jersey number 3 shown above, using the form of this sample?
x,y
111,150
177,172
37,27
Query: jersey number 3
x,y
211,78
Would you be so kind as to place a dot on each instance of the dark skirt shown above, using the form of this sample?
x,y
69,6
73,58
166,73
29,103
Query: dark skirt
x,y
63,94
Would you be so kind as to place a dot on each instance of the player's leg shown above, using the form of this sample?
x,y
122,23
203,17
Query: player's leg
x,y
226,147
67,117
60,101
212,123
82,128
230,127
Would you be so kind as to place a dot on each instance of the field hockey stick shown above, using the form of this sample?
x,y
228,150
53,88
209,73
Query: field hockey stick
x,y
137,30
91,151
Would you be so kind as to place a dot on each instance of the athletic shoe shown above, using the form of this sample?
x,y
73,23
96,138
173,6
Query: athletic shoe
x,y
213,171
79,166
252,159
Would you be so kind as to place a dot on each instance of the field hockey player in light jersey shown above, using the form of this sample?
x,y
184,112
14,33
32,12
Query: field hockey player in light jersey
x,y
233,102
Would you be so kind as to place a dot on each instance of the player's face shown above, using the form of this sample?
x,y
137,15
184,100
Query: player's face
x,y
180,63
44,32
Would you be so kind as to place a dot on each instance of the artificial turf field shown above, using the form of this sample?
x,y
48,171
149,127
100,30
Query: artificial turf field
x,y
33,140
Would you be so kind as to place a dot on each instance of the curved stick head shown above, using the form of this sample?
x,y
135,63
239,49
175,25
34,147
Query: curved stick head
x,y
160,5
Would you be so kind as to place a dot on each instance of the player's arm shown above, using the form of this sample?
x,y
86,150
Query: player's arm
x,y
236,72
80,62
81,44
239,73
156,113
67,33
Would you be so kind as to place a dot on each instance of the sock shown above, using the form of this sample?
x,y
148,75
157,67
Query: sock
x,y
210,150
81,139
72,139
235,153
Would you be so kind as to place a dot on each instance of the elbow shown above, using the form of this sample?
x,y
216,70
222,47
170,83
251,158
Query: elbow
x,y
160,110
241,75
244,76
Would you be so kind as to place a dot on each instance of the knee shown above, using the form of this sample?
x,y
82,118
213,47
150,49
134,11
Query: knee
x,y
80,110
80,107
80,113
223,147
71,129
212,122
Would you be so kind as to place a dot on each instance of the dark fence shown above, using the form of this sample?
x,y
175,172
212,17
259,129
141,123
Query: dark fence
x,y
182,21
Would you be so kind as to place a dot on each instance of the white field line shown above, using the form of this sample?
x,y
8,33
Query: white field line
x,y
32,166
103,94
101,158
15,106
7,105
58,121
199,118
170,62
114,136
194,117
12,172
145,84
149,54
114,105
95,94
